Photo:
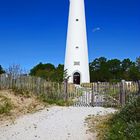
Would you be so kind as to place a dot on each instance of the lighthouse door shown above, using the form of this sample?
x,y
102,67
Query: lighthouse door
x,y
76,78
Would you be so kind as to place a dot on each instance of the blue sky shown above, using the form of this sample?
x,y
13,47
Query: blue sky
x,y
33,31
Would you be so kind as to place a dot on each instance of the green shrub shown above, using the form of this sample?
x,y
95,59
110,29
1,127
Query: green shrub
x,y
5,106
22,92
125,125
44,98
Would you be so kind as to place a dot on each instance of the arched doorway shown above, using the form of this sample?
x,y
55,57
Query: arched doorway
x,y
76,78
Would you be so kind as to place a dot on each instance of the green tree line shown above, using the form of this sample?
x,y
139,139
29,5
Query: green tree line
x,y
105,70
48,71
101,69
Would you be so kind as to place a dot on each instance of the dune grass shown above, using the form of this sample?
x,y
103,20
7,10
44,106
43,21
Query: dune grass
x,y
125,125
5,105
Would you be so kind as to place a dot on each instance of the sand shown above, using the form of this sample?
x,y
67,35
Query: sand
x,y
55,123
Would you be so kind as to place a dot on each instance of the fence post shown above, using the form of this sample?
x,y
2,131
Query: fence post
x,y
139,87
92,95
66,89
122,93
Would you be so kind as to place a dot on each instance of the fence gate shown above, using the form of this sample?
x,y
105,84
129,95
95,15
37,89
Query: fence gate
x,y
105,94
84,97
96,94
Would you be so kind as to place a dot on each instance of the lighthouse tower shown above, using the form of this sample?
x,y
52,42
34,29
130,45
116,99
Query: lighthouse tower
x,y
76,57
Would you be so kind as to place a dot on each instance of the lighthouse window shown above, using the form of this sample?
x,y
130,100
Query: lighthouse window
x,y
76,63
77,19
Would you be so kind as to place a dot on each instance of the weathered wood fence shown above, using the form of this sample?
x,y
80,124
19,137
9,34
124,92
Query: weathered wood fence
x,y
112,93
38,86
100,93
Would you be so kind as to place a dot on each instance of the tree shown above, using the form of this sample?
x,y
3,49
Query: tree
x,y
114,66
138,63
1,70
105,70
14,71
41,67
48,71
134,73
126,64
99,70
60,73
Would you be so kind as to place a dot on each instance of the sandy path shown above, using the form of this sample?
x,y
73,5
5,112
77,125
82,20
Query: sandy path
x,y
59,123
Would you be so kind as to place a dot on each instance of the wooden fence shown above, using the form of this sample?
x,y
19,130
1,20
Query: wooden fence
x,y
33,85
87,93
120,92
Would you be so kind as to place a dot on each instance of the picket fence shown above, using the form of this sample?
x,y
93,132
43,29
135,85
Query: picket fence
x,y
93,94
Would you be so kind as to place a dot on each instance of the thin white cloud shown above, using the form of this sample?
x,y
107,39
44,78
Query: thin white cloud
x,y
96,29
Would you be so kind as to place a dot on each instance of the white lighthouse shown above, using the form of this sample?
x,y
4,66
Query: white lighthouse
x,y
76,57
